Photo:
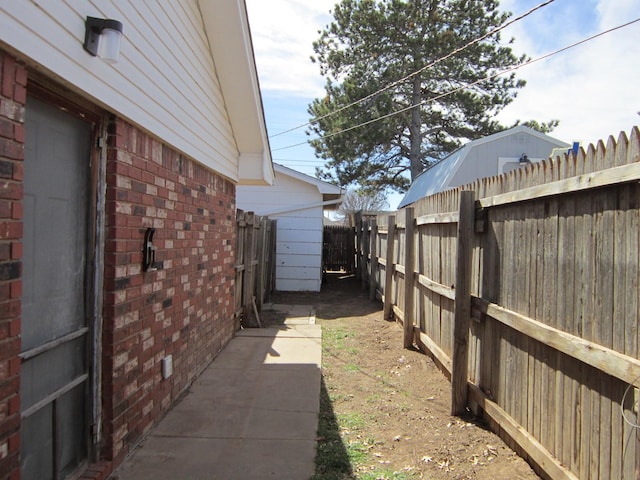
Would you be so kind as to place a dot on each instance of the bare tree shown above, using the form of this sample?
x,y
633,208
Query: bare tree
x,y
360,200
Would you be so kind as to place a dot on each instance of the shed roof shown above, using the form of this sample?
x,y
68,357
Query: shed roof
x,y
328,190
437,178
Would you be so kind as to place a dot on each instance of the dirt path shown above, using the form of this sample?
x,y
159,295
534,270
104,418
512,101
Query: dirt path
x,y
384,411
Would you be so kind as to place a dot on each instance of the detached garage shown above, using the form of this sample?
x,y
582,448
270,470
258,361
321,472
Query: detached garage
x,y
297,201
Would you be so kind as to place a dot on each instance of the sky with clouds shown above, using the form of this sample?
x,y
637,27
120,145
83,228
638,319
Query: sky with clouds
x,y
591,89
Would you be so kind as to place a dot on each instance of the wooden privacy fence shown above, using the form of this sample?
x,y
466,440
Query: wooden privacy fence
x,y
255,266
524,288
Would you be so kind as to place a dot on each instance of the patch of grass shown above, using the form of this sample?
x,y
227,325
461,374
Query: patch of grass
x,y
350,421
384,475
358,452
334,338
375,398
351,367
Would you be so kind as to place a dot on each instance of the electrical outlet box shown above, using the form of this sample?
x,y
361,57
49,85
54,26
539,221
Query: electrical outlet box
x,y
167,366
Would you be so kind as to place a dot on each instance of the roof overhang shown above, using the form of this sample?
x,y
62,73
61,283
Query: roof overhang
x,y
227,27
331,194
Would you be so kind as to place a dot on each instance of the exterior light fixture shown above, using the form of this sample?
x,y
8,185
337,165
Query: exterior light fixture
x,y
102,38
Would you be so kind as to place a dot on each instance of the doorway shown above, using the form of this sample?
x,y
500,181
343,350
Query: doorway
x,y
55,390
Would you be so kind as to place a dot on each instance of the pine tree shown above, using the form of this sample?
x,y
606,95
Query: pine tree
x,y
374,43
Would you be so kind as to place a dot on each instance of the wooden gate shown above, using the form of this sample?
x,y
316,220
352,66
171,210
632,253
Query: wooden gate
x,y
255,266
338,252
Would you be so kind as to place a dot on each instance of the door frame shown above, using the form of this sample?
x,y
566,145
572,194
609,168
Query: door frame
x,y
47,91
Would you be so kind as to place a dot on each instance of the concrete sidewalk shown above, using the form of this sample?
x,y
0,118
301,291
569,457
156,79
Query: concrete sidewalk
x,y
252,414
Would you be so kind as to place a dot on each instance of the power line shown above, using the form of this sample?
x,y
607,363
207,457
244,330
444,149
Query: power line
x,y
435,62
490,77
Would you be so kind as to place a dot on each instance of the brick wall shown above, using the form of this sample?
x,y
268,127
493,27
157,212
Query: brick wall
x,y
185,307
13,81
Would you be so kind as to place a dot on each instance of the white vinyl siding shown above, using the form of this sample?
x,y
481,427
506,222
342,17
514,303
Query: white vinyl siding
x,y
165,80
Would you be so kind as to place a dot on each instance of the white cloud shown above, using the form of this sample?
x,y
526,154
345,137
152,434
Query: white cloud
x,y
591,88
283,32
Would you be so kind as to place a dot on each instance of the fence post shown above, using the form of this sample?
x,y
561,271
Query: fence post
x,y
462,304
249,270
360,253
388,269
271,269
364,242
373,238
409,278
262,263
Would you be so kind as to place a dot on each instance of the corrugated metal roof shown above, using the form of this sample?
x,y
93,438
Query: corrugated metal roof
x,y
438,177
432,180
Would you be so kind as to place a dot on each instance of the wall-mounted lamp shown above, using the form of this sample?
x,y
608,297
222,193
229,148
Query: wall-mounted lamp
x,y
102,38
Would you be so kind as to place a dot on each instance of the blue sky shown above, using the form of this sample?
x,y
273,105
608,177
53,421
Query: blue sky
x,y
592,89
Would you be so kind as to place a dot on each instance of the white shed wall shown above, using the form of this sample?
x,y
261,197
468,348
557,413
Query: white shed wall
x,y
165,80
299,231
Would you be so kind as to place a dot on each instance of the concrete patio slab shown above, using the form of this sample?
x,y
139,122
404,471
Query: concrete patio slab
x,y
251,415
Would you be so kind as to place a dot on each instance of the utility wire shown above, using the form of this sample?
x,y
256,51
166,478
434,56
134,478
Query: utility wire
x,y
490,77
435,62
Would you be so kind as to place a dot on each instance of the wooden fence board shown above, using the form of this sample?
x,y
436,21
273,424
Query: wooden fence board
x,y
460,359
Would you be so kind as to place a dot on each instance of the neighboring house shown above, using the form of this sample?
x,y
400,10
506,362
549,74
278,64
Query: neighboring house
x,y
297,202
101,332
486,157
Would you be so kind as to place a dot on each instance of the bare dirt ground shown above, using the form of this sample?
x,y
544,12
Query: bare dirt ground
x,y
385,409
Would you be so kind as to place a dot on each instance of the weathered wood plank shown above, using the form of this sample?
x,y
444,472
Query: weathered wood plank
x,y
373,279
425,343
388,287
604,178
445,291
434,218
549,464
462,309
605,359
409,277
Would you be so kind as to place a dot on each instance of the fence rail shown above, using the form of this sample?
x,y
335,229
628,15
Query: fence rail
x,y
524,288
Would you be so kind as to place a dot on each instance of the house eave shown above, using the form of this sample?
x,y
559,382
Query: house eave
x,y
232,50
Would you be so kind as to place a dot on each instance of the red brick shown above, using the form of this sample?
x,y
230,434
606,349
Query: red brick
x,y
6,129
10,190
8,76
18,172
16,250
10,309
14,405
20,94
21,75
11,149
14,328
5,208
16,211
18,132
16,289
10,230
